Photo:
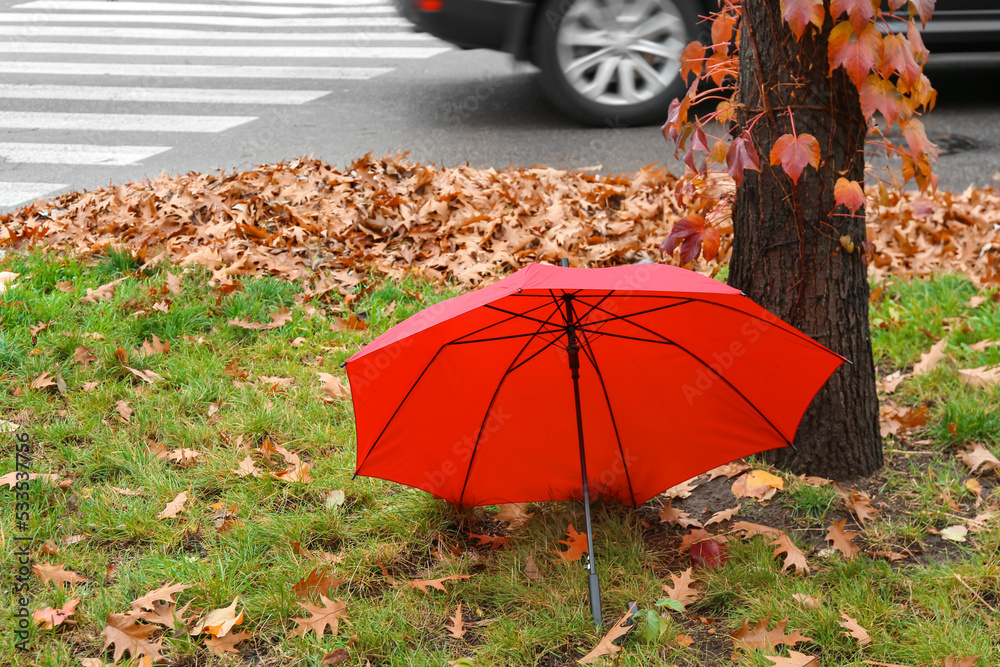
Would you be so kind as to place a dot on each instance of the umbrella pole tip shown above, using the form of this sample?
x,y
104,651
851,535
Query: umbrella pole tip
x,y
564,262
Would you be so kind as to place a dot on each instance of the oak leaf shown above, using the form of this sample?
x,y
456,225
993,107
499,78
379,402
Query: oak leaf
x,y
42,381
982,377
227,644
795,153
670,514
930,359
723,515
456,626
799,14
247,467
124,411
11,478
759,637
794,558
278,319
859,503
317,582
84,356
103,293
126,635
842,540
174,506
329,614
57,575
50,617
333,387
682,590
855,630
607,645
164,593
514,514
424,584
978,457
794,659
576,544
218,622
758,484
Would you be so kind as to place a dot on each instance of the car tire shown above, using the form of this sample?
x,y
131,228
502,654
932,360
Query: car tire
x,y
588,81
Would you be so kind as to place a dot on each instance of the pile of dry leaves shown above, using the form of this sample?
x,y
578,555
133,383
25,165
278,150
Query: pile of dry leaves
x,y
388,216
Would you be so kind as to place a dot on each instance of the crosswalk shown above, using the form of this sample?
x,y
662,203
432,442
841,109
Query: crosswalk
x,y
98,84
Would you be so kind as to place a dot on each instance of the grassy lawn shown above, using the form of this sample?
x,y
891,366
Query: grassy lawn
x,y
228,392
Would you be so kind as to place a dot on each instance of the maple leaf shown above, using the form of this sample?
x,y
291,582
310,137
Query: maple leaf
x,y
930,359
218,622
979,457
794,659
424,584
856,51
278,319
50,617
759,637
794,558
849,194
670,514
798,14
576,546
795,153
227,644
607,645
855,630
880,95
514,514
317,582
174,506
860,12
842,540
320,617
682,591
456,627
57,575
741,156
758,484
126,635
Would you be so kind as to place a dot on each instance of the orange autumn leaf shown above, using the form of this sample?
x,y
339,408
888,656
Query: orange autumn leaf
x,y
576,544
842,540
857,51
50,617
608,643
849,194
328,615
799,14
57,575
795,153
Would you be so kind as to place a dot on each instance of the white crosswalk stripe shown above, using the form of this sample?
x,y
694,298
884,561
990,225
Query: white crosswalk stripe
x,y
43,18
98,32
17,193
169,95
123,61
76,153
212,51
179,7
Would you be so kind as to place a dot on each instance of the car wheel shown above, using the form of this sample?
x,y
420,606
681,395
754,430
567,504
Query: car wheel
x,y
613,62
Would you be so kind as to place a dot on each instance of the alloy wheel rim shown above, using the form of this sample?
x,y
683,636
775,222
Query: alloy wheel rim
x,y
621,52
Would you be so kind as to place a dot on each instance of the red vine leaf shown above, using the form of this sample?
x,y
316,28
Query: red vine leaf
x,y
897,57
692,60
880,95
798,14
860,12
849,193
694,237
856,52
795,153
720,66
741,156
916,139
916,41
923,9
722,31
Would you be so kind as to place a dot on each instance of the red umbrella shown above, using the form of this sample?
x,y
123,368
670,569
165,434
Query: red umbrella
x,y
560,383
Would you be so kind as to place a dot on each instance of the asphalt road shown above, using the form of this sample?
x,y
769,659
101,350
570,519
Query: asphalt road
x,y
402,92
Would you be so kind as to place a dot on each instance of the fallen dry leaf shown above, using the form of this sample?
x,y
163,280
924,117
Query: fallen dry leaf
x,y
218,622
759,637
11,478
859,503
329,614
670,514
576,544
7,278
794,558
103,293
50,617
842,540
174,506
952,661
164,593
126,635
930,359
682,590
983,377
531,569
42,381
57,575
278,319
794,659
807,601
757,484
317,582
424,584
978,457
723,515
456,627
124,411
854,629
607,644
954,533
514,514
682,490
247,467
226,644
333,388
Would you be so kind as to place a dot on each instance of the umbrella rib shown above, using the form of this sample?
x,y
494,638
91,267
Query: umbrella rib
x,y
592,357
513,316
496,392
641,312
623,336
398,408
717,373
546,346
521,335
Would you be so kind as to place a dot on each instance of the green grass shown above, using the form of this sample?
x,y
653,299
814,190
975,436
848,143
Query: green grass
x,y
917,610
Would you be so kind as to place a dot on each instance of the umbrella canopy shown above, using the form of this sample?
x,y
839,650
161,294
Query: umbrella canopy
x,y
473,399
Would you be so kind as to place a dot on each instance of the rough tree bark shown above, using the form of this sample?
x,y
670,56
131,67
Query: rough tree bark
x,y
787,250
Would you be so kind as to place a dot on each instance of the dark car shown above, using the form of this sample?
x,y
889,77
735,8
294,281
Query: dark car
x,y
617,61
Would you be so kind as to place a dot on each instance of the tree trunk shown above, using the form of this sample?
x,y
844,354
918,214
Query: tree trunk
x,y
787,250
